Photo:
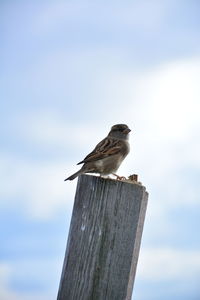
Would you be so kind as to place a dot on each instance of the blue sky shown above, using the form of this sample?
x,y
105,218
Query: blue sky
x,y
69,71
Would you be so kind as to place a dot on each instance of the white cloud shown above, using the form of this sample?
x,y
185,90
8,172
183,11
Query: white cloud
x,y
172,97
171,117
140,15
4,273
161,106
38,188
8,293
158,264
48,129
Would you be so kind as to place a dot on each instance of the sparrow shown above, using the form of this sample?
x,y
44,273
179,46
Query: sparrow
x,y
108,155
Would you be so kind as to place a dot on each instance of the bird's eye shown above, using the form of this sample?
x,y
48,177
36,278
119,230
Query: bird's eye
x,y
121,129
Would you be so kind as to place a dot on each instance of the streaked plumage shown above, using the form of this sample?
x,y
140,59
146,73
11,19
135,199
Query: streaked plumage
x,y
108,154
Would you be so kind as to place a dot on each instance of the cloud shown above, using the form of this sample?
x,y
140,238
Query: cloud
x,y
162,104
139,15
162,264
172,91
47,129
8,293
170,101
162,107
36,187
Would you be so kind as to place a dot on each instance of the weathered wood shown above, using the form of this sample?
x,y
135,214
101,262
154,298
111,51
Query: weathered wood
x,y
104,240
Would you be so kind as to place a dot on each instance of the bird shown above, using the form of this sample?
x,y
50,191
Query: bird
x,y
108,155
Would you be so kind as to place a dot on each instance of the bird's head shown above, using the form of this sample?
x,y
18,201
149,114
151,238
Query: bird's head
x,y
120,131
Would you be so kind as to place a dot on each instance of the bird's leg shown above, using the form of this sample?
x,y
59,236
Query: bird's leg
x,y
119,177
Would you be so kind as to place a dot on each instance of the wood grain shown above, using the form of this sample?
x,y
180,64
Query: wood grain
x,y
104,240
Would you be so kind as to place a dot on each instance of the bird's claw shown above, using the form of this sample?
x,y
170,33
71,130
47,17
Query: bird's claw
x,y
119,177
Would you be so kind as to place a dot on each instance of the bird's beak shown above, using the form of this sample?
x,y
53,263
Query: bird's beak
x,y
127,130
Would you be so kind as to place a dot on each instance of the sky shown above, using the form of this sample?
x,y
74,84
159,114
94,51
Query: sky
x,y
69,71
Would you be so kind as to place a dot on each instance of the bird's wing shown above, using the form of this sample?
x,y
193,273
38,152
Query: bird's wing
x,y
105,148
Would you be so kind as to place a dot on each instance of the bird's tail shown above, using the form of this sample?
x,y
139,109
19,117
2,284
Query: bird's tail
x,y
74,175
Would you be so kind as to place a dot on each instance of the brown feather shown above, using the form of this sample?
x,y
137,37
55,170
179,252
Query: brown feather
x,y
105,148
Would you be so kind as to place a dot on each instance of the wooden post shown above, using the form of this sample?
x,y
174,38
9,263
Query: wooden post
x,y
104,240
